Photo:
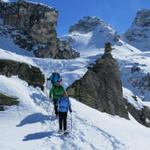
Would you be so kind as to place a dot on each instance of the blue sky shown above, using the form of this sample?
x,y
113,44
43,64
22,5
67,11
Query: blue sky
x,y
118,13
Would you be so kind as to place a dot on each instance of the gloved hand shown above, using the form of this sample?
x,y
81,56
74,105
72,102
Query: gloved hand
x,y
70,111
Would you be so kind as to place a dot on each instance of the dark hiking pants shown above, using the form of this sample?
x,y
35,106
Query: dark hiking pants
x,y
55,107
62,120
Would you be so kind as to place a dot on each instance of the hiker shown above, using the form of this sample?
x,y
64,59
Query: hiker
x,y
55,77
55,93
63,106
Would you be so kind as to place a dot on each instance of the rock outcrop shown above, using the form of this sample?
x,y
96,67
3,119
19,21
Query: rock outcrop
x,y
65,52
7,101
101,87
142,83
91,32
32,75
38,23
141,115
139,33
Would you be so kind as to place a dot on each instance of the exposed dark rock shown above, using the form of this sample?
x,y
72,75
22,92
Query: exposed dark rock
x,y
66,50
139,33
36,24
142,18
7,101
101,87
141,115
135,68
32,75
141,82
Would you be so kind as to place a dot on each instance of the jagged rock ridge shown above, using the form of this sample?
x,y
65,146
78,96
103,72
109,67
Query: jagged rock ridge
x,y
38,23
91,32
101,87
139,33
7,101
31,74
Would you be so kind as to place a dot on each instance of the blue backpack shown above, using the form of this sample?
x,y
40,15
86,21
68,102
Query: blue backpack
x,y
63,104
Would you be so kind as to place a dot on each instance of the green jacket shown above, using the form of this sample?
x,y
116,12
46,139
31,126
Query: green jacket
x,y
56,92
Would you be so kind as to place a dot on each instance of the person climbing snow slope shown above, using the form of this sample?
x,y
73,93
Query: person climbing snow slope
x,y
55,78
63,106
55,93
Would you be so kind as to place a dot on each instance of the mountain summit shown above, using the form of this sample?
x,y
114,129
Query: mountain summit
x,y
91,32
139,33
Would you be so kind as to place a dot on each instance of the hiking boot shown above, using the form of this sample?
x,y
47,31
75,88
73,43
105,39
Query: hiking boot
x,y
66,131
60,131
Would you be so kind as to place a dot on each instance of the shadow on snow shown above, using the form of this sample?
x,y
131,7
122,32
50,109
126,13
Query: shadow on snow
x,y
34,118
39,135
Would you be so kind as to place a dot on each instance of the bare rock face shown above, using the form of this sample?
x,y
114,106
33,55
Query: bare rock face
x,y
141,115
38,23
143,83
32,75
139,33
37,20
66,50
101,87
7,101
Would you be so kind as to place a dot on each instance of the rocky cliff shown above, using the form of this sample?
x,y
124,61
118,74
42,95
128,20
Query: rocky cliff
x,y
32,75
101,87
139,33
36,23
7,101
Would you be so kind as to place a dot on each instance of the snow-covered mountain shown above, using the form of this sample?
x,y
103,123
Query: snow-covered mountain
x,y
139,33
32,125
91,32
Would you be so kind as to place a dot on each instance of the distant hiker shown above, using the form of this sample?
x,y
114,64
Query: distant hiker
x,y
55,93
55,78
63,106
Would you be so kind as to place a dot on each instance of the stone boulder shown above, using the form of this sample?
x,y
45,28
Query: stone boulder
x,y
31,74
7,101
101,87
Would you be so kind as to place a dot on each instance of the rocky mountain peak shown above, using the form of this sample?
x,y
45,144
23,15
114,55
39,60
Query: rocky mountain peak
x,y
89,24
142,18
91,32
139,33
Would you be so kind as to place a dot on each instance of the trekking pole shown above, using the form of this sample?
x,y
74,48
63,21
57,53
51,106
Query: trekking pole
x,y
71,121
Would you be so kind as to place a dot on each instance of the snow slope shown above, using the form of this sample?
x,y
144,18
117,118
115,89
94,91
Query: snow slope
x,y
32,124
6,41
7,55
